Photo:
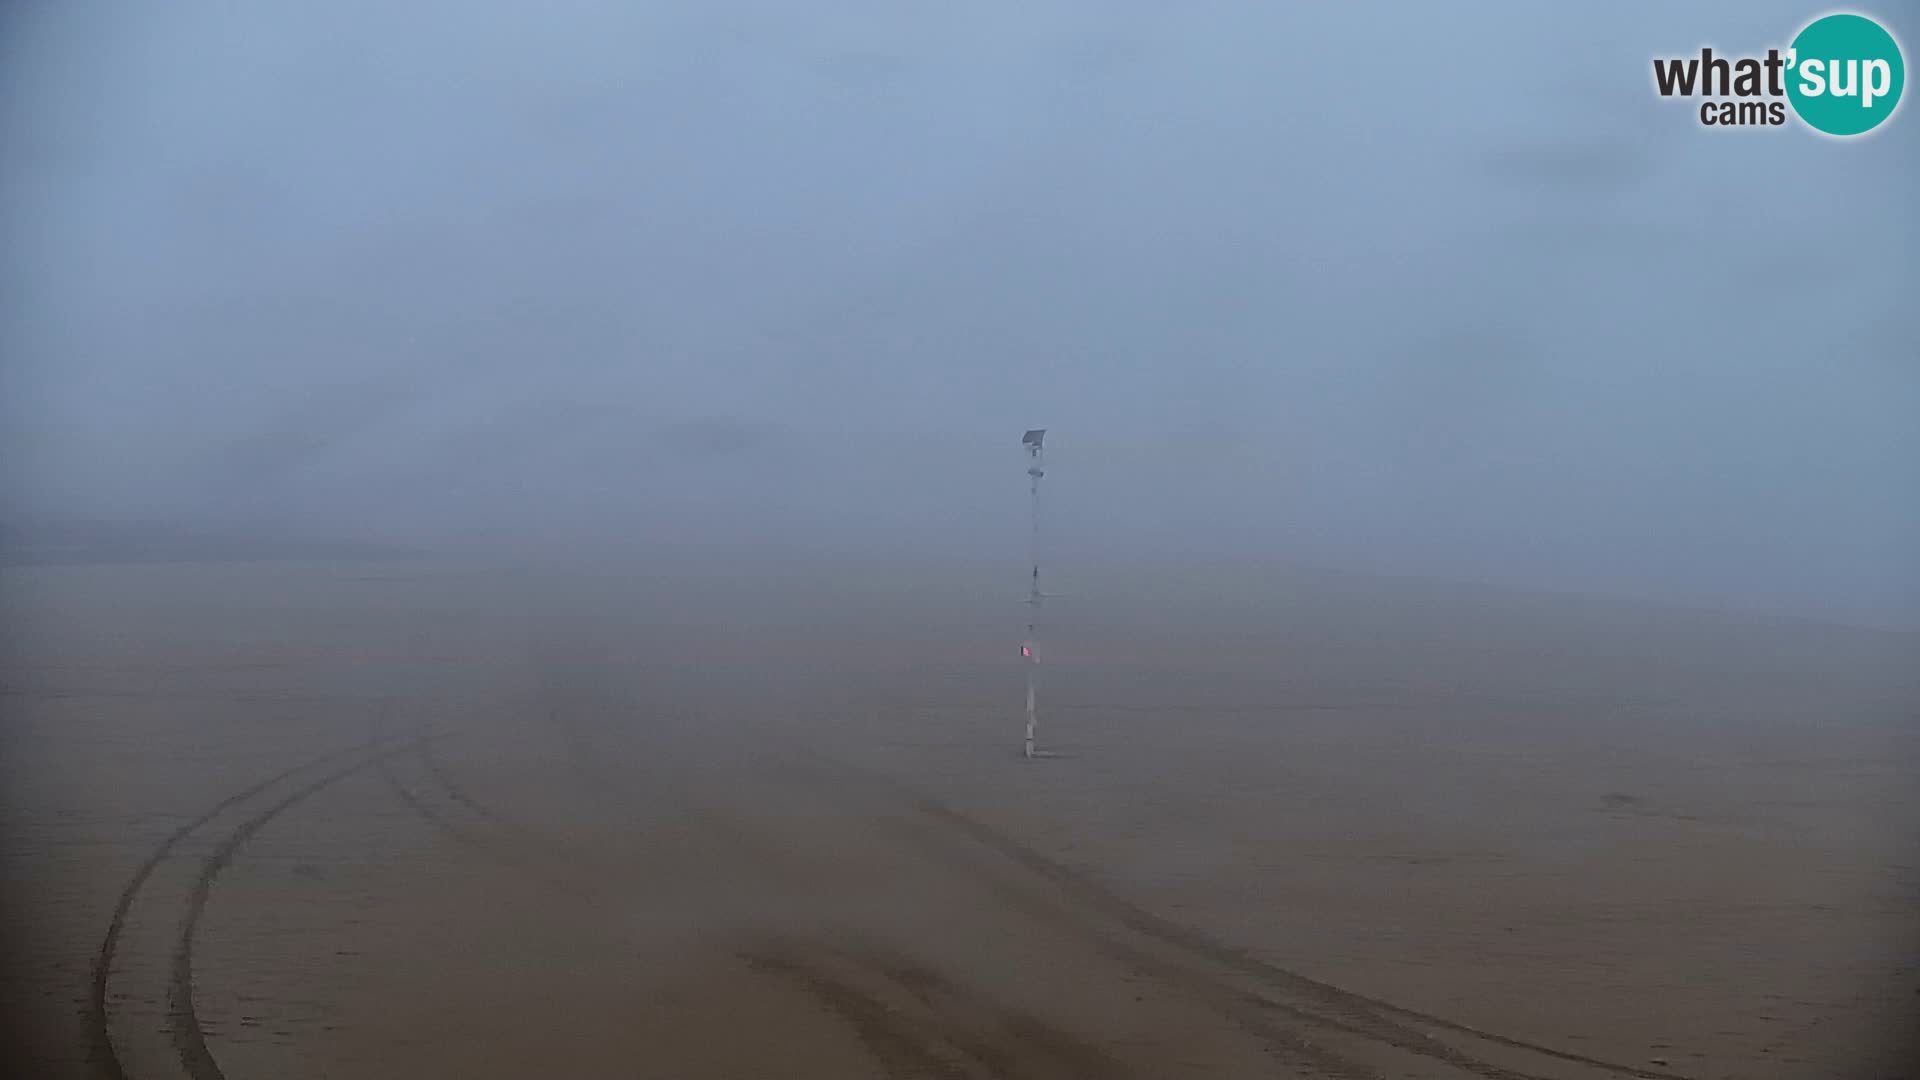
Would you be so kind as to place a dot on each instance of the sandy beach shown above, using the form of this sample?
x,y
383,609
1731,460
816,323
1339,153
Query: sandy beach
x,y
425,818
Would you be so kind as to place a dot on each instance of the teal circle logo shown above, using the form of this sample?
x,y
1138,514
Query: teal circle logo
x,y
1845,74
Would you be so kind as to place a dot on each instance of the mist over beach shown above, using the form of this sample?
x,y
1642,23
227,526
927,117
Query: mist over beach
x,y
512,526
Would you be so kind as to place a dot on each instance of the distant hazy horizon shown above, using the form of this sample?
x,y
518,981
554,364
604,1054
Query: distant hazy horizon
x,y
1427,291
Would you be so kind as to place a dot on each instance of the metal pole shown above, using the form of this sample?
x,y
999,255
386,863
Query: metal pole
x,y
1034,595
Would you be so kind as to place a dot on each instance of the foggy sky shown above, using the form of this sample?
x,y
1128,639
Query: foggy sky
x,y
1422,289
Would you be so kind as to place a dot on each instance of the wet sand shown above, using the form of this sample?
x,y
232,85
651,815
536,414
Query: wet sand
x,y
427,819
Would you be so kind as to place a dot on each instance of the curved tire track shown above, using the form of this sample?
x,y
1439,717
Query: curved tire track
x,y
96,1020
916,1022
1310,1025
411,798
426,812
457,792
139,933
1313,1003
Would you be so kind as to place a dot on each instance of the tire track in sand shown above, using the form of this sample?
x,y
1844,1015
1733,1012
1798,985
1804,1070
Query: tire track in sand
x,y
1080,904
1300,1040
916,1022
1311,1027
141,1020
96,1020
416,801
